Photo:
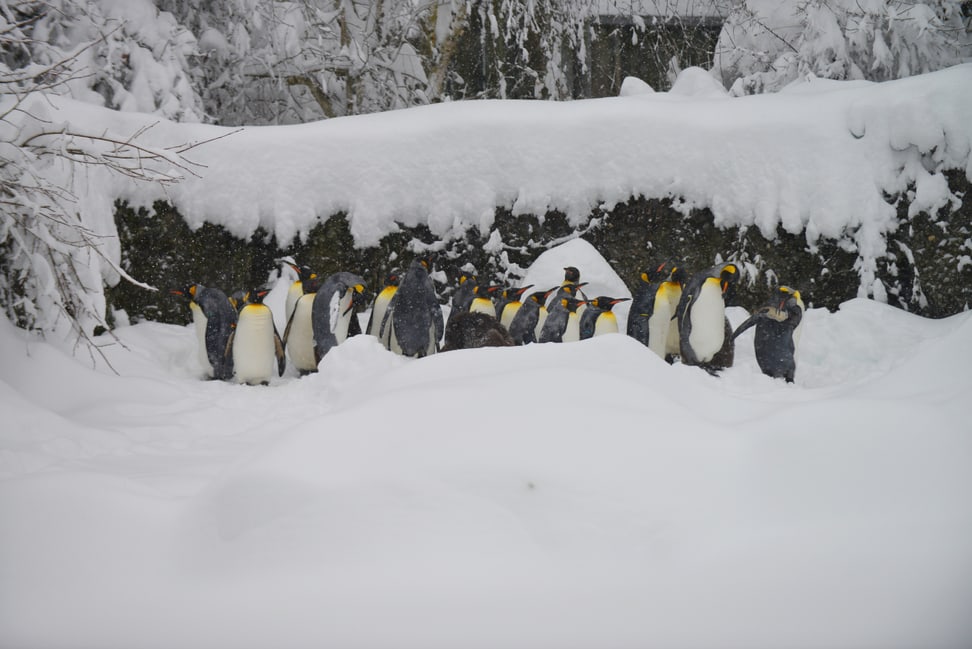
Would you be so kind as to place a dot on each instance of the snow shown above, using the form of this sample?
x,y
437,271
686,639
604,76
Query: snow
x,y
571,495
755,161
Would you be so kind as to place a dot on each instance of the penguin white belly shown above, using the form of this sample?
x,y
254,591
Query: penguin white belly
x,y
660,323
509,312
341,315
379,309
606,323
300,339
294,293
708,315
254,355
199,322
572,331
482,305
542,318
674,295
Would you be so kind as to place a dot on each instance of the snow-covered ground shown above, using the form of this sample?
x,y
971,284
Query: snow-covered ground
x,y
560,495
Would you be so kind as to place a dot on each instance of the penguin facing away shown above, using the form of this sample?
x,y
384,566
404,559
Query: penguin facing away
x,y
774,342
705,335
414,317
471,329
568,288
563,323
380,305
298,338
333,313
254,345
799,300
528,320
598,319
213,319
464,295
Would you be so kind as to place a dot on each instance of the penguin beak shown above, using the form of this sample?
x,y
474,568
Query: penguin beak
x,y
294,266
523,290
175,291
620,299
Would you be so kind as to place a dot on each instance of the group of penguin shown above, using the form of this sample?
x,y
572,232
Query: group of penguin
x,y
674,315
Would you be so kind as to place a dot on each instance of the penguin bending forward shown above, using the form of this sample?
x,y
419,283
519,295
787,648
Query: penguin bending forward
x,y
414,318
463,296
213,317
775,340
643,310
255,346
333,314
705,335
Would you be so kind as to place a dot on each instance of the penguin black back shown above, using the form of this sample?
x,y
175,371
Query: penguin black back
x,y
523,328
643,303
774,342
415,314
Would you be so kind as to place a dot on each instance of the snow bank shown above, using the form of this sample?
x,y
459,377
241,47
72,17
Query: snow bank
x,y
821,160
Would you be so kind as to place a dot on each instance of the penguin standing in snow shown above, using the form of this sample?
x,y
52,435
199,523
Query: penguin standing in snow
x,y
509,304
528,321
298,339
598,319
464,295
297,287
705,335
775,339
471,329
414,318
213,317
380,305
333,315
255,346
563,323
643,305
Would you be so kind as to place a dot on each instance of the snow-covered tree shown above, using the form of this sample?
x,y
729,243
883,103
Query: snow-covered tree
x,y
766,44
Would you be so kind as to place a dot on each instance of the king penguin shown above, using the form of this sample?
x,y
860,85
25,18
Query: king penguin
x,y
380,305
333,315
414,318
482,301
563,323
568,288
705,335
509,304
528,321
297,287
775,340
298,339
598,319
254,345
643,306
213,317
464,295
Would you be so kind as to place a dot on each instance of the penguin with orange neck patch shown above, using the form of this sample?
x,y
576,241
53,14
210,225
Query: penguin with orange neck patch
x,y
598,318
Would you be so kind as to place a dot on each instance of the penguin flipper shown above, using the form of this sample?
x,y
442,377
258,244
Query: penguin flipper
x,y
354,325
749,322
286,335
228,353
278,348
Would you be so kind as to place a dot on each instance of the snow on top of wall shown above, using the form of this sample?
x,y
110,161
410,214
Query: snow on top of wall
x,y
819,158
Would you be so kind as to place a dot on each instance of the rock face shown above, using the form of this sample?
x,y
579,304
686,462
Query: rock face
x,y
927,268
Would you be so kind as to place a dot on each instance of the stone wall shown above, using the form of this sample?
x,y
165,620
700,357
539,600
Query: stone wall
x,y
928,269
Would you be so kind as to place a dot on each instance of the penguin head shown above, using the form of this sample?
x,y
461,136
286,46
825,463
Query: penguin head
x,y
311,284
571,289
678,275
518,292
541,297
254,296
481,290
189,291
238,299
571,274
653,274
465,276
789,292
571,303
393,278
728,276
423,261
606,303
357,297
303,271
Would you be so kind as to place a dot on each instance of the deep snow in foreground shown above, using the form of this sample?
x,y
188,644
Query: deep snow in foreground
x,y
573,495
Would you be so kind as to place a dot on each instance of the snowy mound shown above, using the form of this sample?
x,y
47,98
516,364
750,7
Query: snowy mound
x,y
548,495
